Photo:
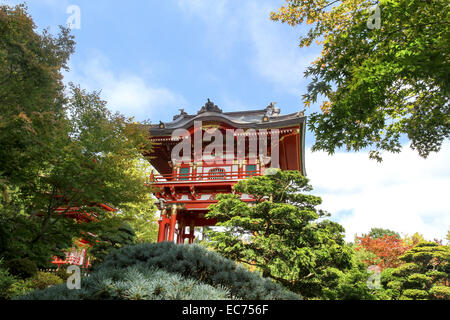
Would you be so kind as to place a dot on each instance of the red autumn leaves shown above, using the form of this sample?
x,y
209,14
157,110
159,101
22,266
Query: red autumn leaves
x,y
387,250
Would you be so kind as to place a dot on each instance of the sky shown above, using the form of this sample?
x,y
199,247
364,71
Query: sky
x,y
151,58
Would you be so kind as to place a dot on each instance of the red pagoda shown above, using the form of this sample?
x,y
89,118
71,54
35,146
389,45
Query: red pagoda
x,y
201,155
77,254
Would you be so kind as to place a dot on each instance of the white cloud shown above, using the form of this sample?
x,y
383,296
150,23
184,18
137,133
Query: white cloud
x,y
404,193
129,94
277,56
274,52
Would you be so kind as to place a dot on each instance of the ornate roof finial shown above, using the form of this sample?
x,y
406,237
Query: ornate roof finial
x,y
210,107
271,110
181,115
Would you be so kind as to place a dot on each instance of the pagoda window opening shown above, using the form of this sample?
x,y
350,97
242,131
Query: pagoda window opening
x,y
251,170
184,173
216,174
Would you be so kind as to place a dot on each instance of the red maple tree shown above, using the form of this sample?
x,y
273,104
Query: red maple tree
x,y
387,250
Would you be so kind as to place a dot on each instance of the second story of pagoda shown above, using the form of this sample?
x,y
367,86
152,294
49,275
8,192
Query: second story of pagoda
x,y
200,155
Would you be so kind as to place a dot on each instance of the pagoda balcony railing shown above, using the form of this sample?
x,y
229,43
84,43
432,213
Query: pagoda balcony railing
x,y
207,176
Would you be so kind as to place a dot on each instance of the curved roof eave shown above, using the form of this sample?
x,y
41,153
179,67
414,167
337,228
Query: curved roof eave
x,y
274,122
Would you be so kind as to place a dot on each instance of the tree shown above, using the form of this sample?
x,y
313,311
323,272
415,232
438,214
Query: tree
x,y
142,215
387,250
114,234
281,232
90,164
351,284
380,79
424,274
31,116
31,93
63,154
378,233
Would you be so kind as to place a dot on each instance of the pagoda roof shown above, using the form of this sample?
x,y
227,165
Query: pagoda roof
x,y
267,118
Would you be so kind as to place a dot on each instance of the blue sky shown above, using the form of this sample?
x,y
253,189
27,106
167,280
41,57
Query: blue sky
x,y
151,58
176,54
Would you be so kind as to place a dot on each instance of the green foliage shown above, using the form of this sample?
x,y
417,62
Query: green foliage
x,y
167,271
133,283
142,215
113,234
20,288
193,261
6,280
31,111
27,278
22,268
379,233
379,84
60,148
143,219
31,92
44,280
350,284
41,280
285,236
424,274
62,272
440,292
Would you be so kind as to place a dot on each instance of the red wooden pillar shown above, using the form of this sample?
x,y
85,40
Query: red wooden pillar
x,y
162,227
173,222
181,231
166,229
240,167
191,232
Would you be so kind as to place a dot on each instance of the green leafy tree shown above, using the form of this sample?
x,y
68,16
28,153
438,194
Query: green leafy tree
x,y
351,284
281,232
379,233
380,79
424,274
91,164
31,94
62,153
113,234
6,280
143,219
142,215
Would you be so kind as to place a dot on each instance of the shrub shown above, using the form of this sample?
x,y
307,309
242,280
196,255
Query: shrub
x,y
23,268
167,271
44,280
441,292
62,273
20,288
41,280
133,283
196,262
6,280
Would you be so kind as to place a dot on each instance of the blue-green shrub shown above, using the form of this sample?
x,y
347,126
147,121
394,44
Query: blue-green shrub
x,y
196,262
168,271
133,283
